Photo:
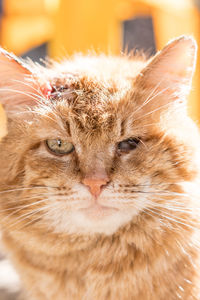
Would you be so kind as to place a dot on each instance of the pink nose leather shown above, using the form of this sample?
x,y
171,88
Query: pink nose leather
x,y
95,185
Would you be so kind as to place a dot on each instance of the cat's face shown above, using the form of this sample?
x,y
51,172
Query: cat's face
x,y
101,149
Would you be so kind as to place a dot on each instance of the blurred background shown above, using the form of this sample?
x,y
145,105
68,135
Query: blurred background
x,y
58,28
37,28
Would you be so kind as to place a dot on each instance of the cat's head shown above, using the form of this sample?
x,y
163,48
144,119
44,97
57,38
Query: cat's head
x,y
95,142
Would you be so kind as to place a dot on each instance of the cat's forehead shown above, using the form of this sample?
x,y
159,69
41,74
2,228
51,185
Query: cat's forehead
x,y
94,96
94,77
92,104
101,67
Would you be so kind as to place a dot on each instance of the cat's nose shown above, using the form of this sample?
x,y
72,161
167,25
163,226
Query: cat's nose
x,y
95,184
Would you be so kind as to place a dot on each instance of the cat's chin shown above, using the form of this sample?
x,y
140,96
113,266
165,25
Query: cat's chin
x,y
98,219
93,219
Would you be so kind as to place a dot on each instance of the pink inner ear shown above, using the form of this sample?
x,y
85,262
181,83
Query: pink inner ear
x,y
46,90
175,63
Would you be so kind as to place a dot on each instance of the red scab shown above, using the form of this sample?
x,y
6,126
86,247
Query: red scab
x,y
47,90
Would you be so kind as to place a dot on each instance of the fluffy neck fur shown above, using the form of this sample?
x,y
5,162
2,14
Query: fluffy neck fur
x,y
144,260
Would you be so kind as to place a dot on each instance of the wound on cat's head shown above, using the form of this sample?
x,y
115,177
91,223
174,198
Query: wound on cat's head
x,y
92,141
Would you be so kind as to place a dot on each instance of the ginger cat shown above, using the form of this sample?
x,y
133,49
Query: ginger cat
x,y
3,122
99,179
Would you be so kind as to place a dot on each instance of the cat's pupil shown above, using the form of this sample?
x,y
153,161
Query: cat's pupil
x,y
128,145
59,143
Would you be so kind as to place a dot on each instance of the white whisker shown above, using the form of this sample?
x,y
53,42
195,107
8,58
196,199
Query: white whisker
x,y
170,218
151,96
23,188
28,215
20,92
31,86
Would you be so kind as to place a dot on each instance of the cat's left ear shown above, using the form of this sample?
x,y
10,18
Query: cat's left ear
x,y
18,86
168,76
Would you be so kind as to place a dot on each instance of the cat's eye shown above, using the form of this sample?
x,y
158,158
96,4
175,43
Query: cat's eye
x,y
59,147
128,145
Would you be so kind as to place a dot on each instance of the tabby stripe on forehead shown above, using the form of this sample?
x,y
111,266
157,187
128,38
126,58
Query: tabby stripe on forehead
x,y
68,128
122,128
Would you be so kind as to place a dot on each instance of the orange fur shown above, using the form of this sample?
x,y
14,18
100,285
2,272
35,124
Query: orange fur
x,y
139,239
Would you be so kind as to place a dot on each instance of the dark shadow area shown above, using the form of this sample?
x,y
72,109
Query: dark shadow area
x,y
37,54
5,295
138,34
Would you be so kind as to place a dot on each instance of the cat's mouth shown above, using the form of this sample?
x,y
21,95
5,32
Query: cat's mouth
x,y
98,211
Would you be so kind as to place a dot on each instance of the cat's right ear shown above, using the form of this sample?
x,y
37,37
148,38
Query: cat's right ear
x,y
166,80
18,87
